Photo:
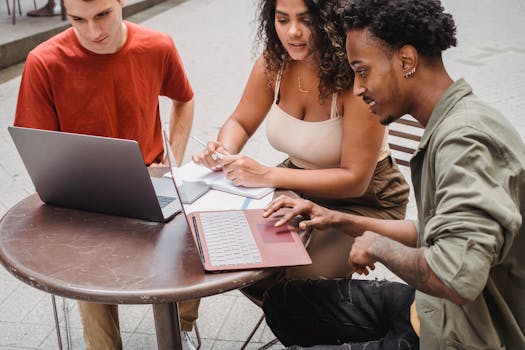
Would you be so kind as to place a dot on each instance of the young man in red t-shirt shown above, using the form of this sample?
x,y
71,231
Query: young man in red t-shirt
x,y
104,77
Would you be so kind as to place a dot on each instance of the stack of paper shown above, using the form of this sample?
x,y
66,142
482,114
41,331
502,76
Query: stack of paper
x,y
217,180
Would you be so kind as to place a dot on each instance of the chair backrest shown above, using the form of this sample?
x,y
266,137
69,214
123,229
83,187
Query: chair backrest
x,y
403,138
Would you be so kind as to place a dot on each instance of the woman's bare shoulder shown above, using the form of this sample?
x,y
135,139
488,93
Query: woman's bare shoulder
x,y
261,73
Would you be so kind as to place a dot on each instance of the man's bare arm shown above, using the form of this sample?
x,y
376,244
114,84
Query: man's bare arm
x,y
411,266
403,231
319,217
181,120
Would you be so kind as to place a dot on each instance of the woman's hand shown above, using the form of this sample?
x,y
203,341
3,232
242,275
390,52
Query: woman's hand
x,y
317,216
211,156
244,171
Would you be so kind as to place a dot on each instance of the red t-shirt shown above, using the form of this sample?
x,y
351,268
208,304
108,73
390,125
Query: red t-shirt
x,y
68,88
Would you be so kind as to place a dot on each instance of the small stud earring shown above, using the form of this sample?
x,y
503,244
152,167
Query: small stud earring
x,y
409,73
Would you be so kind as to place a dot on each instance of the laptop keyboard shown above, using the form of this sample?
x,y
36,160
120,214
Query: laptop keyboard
x,y
164,201
229,238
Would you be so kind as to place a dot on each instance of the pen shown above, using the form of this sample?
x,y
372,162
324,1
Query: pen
x,y
196,139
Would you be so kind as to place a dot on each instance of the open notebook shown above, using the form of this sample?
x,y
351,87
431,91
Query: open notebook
x,y
242,239
217,180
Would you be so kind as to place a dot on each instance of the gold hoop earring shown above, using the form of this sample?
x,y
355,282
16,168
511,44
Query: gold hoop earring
x,y
409,73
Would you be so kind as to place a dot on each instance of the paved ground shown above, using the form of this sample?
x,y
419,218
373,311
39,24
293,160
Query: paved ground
x,y
18,39
215,38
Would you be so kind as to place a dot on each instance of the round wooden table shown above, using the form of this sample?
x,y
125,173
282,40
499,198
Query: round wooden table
x,y
113,260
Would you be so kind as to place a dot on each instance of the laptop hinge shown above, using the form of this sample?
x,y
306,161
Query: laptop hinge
x,y
198,238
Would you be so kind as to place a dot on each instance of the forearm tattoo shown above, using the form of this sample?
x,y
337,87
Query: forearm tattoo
x,y
411,266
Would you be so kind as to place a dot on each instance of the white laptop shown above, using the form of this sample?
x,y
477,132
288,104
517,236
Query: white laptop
x,y
94,173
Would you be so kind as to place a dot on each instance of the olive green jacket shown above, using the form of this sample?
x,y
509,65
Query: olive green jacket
x,y
469,180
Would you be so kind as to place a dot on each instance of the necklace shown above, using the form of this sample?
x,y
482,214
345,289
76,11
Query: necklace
x,y
304,91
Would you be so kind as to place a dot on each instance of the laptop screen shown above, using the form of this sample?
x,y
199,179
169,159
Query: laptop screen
x,y
171,161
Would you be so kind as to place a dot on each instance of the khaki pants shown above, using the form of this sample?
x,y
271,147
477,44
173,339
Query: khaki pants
x,y
101,323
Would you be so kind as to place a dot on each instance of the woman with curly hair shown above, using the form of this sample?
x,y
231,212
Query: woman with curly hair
x,y
338,155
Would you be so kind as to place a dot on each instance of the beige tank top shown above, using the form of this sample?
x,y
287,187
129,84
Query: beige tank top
x,y
309,145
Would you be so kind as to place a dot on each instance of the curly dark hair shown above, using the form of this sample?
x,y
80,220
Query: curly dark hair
x,y
335,74
420,23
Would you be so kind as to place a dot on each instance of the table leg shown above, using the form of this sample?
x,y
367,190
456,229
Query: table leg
x,y
167,326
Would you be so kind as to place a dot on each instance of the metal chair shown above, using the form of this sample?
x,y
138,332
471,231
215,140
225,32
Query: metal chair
x,y
65,310
257,325
63,11
250,336
14,9
404,136
9,8
197,335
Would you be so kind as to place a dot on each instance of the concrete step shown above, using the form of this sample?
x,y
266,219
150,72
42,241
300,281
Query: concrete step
x,y
17,40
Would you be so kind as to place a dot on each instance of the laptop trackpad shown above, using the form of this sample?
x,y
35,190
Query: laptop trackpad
x,y
190,191
272,234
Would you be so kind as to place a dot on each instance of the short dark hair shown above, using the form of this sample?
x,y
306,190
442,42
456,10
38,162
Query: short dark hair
x,y
420,23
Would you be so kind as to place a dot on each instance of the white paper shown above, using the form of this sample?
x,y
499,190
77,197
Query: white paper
x,y
217,180
218,200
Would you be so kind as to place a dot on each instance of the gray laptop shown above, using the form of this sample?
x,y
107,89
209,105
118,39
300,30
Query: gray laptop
x,y
94,173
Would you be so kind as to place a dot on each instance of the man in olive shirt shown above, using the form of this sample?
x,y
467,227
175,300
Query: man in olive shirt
x,y
465,255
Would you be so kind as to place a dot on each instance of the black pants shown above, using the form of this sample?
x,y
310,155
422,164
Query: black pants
x,y
341,314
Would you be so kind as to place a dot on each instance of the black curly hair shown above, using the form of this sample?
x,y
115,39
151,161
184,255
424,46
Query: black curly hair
x,y
420,23
335,74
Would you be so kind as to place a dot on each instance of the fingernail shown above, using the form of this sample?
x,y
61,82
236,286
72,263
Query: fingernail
x,y
213,156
